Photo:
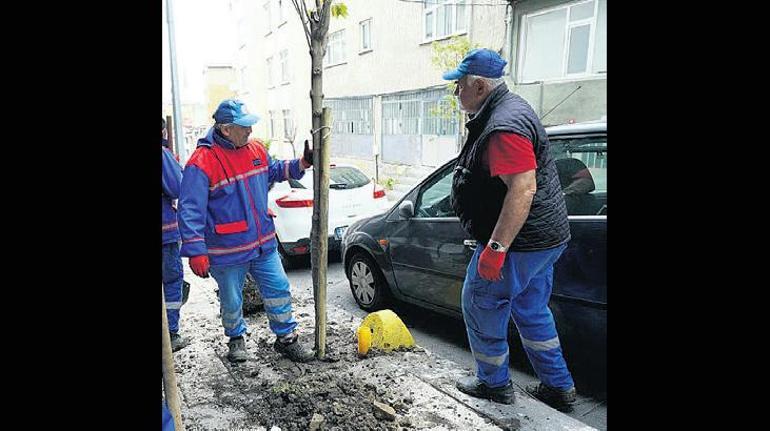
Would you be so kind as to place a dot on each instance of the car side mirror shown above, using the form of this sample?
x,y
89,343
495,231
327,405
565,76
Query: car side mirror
x,y
406,210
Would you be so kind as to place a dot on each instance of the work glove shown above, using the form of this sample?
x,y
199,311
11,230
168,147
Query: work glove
x,y
200,265
307,157
490,264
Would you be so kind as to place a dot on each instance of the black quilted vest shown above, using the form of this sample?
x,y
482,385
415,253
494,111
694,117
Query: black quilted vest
x,y
477,197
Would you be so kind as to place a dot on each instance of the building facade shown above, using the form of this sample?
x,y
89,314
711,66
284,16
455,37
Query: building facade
x,y
388,100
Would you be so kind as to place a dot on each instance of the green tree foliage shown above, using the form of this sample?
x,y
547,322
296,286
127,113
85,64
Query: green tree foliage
x,y
447,54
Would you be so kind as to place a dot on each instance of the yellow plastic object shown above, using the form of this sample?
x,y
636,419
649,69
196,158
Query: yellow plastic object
x,y
364,340
384,330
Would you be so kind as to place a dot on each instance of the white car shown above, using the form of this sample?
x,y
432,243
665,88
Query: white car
x,y
352,196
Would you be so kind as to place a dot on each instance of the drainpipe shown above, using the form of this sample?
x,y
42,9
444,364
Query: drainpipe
x,y
175,96
509,36
540,109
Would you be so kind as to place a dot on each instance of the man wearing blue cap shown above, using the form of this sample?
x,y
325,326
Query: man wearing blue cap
x,y
506,192
227,231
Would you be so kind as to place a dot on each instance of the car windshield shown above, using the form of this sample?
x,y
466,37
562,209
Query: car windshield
x,y
340,177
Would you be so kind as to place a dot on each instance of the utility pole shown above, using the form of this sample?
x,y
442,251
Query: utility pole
x,y
175,96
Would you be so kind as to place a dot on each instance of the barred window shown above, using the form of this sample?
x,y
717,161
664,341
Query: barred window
x,y
351,116
401,117
288,124
427,112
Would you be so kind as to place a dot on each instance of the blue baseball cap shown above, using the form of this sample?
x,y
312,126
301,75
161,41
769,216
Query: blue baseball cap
x,y
482,62
234,111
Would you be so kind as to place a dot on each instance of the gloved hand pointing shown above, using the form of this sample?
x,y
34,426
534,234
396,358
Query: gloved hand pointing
x,y
307,157
200,265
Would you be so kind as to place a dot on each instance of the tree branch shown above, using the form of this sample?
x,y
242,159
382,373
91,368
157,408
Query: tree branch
x,y
303,18
326,16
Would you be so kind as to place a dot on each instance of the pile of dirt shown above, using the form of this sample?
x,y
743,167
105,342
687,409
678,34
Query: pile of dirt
x,y
323,395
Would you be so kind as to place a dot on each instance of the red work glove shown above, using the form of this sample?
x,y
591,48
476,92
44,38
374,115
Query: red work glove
x,y
307,156
490,263
200,265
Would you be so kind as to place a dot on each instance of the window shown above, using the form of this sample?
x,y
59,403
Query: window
x,y
273,124
439,118
582,167
564,42
245,84
267,20
270,81
434,198
288,125
425,112
443,18
340,177
351,116
243,32
366,35
335,50
281,11
285,66
401,117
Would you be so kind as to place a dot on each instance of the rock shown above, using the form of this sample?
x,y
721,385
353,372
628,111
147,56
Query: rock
x,y
316,421
384,411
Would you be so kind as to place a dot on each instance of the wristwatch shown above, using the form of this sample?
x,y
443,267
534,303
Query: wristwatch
x,y
496,246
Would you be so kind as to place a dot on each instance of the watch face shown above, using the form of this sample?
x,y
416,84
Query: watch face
x,y
494,246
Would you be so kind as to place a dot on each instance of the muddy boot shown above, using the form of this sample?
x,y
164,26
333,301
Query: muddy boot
x,y
177,342
290,347
562,401
237,350
476,388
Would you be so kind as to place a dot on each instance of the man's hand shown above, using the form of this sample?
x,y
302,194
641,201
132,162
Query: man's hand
x,y
200,265
307,157
490,263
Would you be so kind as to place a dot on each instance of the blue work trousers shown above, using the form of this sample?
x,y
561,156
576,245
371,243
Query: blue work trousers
x,y
172,284
522,295
273,285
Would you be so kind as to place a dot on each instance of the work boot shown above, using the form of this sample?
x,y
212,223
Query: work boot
x,y
237,351
290,347
562,401
474,387
177,342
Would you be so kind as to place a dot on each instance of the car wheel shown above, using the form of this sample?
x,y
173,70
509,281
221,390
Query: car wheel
x,y
368,285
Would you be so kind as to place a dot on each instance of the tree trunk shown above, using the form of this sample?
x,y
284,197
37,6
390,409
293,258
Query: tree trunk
x,y
320,230
169,375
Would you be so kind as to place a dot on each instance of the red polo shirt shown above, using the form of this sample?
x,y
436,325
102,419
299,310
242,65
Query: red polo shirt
x,y
509,153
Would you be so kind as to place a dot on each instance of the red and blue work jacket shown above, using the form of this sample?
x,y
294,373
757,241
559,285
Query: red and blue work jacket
x,y
171,181
223,203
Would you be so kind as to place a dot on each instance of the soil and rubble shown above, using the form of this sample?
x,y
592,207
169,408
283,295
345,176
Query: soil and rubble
x,y
408,389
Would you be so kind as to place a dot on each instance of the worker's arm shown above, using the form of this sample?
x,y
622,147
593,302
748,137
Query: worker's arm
x,y
518,199
193,204
171,174
282,170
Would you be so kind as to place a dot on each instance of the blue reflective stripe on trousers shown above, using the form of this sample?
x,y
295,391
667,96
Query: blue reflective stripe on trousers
x,y
523,295
273,285
172,283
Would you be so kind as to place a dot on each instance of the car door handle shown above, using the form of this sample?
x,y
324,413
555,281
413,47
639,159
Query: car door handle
x,y
470,243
